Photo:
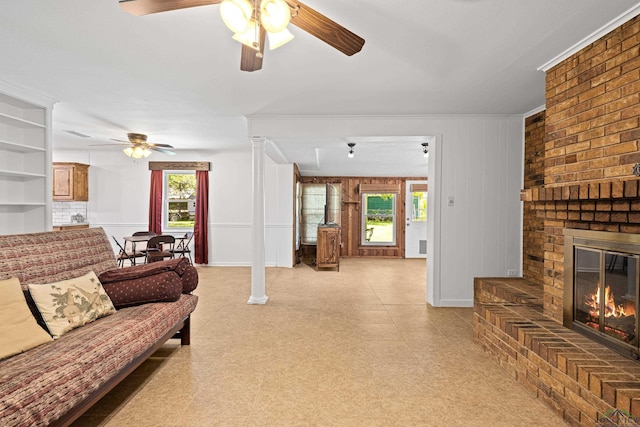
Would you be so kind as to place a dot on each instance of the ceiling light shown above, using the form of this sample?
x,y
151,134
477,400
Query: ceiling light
x,y
425,149
236,14
278,39
274,15
137,152
245,20
250,37
351,145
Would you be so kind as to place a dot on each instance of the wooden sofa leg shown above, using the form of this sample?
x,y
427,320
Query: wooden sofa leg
x,y
185,332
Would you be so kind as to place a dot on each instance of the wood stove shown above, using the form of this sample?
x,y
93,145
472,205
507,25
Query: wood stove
x,y
602,287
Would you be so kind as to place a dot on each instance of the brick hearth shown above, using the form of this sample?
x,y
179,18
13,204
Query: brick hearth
x,y
578,378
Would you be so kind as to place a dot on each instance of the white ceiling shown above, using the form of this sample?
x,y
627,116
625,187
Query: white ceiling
x,y
175,75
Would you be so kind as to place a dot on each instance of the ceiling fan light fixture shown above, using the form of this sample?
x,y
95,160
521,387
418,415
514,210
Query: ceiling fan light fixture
x,y
249,37
137,152
279,39
425,149
274,15
236,14
351,154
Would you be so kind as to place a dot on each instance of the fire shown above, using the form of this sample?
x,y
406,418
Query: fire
x,y
610,308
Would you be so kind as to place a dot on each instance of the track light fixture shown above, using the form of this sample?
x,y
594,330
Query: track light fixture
x,y
425,149
351,145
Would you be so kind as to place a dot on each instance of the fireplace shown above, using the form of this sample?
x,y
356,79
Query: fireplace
x,y
601,287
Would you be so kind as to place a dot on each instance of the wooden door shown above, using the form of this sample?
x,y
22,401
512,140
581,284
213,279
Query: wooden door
x,y
63,183
81,183
328,247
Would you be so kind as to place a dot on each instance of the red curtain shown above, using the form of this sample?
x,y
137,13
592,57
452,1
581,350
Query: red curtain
x,y
201,225
155,202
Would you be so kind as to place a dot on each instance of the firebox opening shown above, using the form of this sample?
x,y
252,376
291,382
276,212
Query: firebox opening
x,y
601,275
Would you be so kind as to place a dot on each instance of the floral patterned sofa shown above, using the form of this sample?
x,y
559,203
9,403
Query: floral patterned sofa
x,y
55,382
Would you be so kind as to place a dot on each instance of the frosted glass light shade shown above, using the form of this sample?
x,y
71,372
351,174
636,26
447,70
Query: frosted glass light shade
x,y
236,14
137,152
278,39
274,15
250,36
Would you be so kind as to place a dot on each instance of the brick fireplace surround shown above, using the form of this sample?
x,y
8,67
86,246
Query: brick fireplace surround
x,y
579,155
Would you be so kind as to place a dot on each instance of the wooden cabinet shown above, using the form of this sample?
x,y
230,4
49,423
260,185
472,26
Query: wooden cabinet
x,y
328,249
69,227
25,161
70,182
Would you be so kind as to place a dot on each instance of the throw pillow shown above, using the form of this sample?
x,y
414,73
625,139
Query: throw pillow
x,y
71,303
19,330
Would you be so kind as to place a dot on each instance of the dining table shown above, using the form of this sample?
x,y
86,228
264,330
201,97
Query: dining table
x,y
145,238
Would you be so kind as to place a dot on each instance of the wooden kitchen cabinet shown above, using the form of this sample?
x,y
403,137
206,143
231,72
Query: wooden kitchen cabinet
x,y
69,227
328,249
70,182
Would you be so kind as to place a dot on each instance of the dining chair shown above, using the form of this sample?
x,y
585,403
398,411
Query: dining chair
x,y
123,254
182,248
143,244
159,248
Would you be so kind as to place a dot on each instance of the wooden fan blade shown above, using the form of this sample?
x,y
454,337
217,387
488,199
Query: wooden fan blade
x,y
325,29
162,145
147,7
163,150
250,59
120,140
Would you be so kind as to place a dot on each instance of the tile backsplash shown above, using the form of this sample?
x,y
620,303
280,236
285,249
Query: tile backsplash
x,y
63,211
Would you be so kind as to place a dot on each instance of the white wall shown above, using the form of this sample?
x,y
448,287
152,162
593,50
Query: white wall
x,y
119,200
477,160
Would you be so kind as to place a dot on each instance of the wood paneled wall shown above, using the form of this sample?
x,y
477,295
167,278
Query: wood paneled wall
x,y
352,210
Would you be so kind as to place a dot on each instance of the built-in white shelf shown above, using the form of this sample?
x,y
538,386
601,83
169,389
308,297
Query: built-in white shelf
x,y
22,204
19,122
25,161
19,148
21,175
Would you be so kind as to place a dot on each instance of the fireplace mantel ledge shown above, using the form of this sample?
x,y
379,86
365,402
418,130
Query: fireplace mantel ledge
x,y
628,189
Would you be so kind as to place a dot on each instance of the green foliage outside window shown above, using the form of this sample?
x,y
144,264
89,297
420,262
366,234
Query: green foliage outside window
x,y
181,195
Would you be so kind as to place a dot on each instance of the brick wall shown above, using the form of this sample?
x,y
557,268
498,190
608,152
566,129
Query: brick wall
x,y
533,223
591,141
593,107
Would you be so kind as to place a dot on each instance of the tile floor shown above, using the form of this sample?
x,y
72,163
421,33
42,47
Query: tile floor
x,y
357,347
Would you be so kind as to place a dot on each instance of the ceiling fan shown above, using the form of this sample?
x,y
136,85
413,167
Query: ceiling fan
x,y
253,20
138,146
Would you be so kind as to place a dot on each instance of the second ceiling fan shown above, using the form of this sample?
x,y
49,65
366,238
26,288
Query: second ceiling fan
x,y
253,20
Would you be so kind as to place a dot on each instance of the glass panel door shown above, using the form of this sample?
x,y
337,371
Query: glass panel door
x,y
379,219
587,297
620,296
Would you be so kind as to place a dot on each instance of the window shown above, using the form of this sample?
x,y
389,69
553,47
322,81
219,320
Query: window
x,y
180,202
316,201
419,203
379,219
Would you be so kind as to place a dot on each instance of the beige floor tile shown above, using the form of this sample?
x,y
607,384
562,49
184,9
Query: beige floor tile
x,y
359,347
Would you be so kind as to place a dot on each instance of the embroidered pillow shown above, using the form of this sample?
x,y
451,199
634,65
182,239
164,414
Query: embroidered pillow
x,y
19,330
71,303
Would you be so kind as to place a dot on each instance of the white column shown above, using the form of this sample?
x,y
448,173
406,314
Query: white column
x,y
258,253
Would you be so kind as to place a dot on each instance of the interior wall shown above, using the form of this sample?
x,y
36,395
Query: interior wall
x,y
119,201
479,231
351,213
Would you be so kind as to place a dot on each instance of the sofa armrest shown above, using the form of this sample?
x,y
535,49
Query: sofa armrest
x,y
179,265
